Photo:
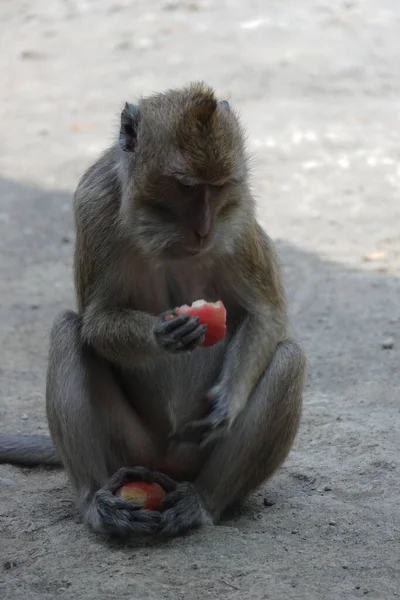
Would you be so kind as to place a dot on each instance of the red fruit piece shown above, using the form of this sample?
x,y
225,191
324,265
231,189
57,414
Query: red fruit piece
x,y
148,495
212,314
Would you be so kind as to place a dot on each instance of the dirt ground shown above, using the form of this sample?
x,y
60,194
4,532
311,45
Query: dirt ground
x,y
317,84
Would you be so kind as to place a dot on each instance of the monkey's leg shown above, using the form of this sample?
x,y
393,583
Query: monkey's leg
x,y
257,444
97,433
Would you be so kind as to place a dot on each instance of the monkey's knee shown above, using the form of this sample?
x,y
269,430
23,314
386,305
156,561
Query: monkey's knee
x,y
279,402
284,381
64,371
291,360
65,352
66,328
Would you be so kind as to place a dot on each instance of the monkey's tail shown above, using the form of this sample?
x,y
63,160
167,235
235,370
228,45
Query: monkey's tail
x,y
28,450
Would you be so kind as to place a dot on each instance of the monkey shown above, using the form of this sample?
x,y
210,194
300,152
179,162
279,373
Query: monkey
x,y
165,217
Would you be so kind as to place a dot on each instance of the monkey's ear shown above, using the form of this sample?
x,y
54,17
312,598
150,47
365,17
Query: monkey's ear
x,y
130,118
224,105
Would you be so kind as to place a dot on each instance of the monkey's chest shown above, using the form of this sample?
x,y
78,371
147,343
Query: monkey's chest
x,y
158,290
168,391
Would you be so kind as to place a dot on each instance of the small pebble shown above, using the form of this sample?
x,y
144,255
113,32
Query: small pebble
x,y
345,566
268,502
358,587
327,488
294,531
24,417
6,481
171,6
388,344
333,523
31,55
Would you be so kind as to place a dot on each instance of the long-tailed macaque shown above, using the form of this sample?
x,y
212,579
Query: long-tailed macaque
x,y
166,217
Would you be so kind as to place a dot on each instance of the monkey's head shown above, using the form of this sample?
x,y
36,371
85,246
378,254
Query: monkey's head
x,y
185,172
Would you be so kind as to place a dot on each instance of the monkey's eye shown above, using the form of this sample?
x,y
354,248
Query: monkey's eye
x,y
217,187
162,210
184,183
128,130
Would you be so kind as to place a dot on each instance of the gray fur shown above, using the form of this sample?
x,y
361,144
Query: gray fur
x,y
28,450
126,390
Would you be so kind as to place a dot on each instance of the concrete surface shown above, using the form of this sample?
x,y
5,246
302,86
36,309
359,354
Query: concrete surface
x,y
318,85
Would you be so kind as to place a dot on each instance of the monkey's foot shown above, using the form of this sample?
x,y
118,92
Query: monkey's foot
x,y
184,510
114,516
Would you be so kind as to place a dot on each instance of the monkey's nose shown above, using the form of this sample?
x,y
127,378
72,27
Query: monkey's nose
x,y
202,240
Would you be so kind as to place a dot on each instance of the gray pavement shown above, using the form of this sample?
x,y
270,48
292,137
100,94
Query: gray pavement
x,y
317,84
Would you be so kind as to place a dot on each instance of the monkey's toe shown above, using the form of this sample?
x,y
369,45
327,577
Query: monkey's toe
x,y
183,511
120,518
125,475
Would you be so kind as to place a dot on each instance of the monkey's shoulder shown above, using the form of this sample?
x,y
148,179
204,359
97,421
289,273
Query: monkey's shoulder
x,y
99,188
256,267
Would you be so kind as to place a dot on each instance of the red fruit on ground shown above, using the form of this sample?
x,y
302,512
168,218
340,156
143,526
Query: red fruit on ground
x,y
148,495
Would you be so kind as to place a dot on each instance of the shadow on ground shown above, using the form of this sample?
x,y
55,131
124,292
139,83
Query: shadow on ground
x,y
333,506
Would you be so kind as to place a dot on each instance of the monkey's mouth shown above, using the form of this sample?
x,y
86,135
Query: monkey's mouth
x,y
188,250
203,244
198,249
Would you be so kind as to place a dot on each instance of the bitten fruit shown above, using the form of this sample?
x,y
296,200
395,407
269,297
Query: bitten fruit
x,y
212,314
147,495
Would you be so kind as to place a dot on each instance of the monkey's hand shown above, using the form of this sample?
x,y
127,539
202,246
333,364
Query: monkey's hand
x,y
213,425
183,510
179,334
124,518
127,474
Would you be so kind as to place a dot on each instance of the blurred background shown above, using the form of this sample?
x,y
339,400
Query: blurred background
x,y
317,84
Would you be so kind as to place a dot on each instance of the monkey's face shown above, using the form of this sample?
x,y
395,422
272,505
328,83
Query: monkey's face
x,y
177,217
189,171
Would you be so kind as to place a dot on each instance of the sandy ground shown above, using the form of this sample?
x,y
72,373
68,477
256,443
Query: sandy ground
x,y
318,85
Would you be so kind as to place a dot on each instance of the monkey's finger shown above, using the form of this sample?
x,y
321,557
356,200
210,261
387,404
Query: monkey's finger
x,y
168,484
126,474
171,499
128,505
162,327
108,502
202,430
195,335
194,432
188,342
146,516
189,327
141,523
177,521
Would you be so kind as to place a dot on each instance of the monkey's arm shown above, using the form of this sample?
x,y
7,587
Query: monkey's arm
x,y
248,355
259,292
122,335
